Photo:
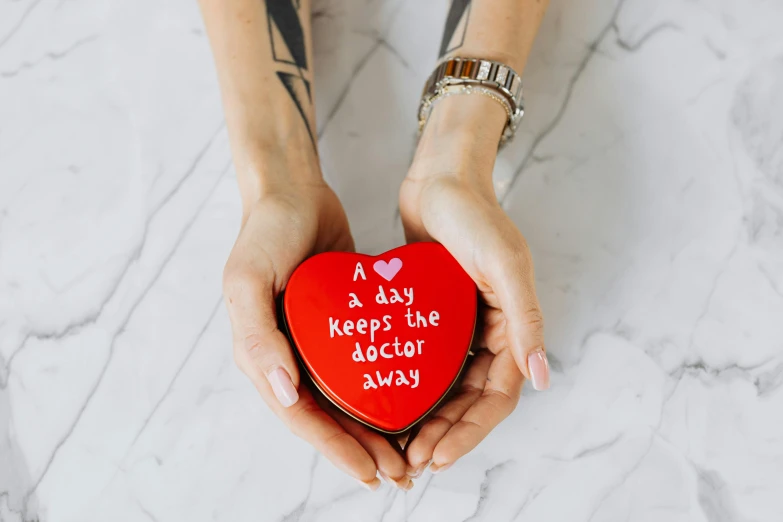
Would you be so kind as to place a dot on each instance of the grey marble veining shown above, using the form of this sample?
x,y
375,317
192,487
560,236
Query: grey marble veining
x,y
647,177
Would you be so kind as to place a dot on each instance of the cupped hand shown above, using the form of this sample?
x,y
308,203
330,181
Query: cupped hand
x,y
458,209
280,231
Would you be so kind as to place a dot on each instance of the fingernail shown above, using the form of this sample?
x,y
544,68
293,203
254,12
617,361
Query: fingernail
x,y
403,483
416,473
373,485
437,469
538,365
283,387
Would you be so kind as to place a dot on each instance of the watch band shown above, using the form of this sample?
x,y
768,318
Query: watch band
x,y
471,75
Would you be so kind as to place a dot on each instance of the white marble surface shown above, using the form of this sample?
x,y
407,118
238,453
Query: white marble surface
x,y
648,179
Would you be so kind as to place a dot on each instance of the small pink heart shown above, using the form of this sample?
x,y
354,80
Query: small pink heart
x,y
388,270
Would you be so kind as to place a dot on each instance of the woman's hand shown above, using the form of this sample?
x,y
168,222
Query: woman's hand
x,y
280,230
448,197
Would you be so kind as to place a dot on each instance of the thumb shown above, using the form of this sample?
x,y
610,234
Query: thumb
x,y
489,247
267,250
513,281
261,350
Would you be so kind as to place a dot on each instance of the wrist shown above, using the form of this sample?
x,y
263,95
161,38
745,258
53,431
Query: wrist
x,y
264,169
460,140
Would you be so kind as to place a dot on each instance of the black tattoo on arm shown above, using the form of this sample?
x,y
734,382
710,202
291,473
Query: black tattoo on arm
x,y
456,26
287,38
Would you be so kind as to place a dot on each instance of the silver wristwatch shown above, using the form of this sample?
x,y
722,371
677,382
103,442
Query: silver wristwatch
x,y
475,76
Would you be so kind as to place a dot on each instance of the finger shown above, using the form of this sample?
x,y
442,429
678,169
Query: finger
x,y
262,352
307,420
497,401
391,465
263,358
512,278
420,450
389,462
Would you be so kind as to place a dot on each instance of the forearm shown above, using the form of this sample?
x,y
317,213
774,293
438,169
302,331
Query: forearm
x,y
501,30
262,52
463,132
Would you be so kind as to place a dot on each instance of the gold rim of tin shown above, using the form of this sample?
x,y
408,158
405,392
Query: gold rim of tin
x,y
468,353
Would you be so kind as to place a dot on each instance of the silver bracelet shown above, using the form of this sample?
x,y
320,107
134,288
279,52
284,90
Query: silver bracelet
x,y
468,76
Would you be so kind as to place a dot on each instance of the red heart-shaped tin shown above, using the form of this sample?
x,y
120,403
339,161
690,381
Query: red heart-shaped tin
x,y
383,337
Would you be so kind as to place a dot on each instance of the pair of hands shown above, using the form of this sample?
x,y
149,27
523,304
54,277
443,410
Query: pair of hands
x,y
453,206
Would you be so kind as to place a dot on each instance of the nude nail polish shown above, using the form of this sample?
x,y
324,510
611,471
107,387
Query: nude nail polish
x,y
283,387
373,485
538,365
437,469
403,483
